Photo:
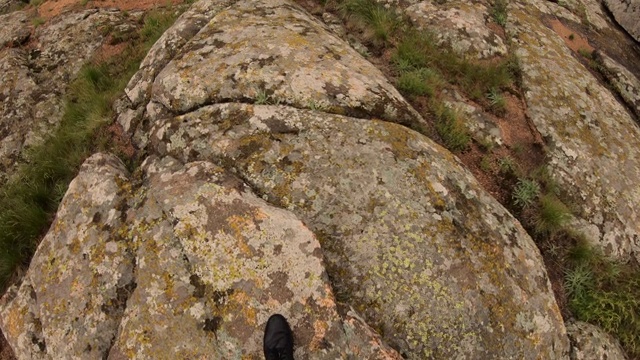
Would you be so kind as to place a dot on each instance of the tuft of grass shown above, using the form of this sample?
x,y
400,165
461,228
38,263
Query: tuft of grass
x,y
155,23
37,21
552,215
525,192
35,3
499,12
485,163
30,200
377,21
605,292
508,166
418,82
262,98
450,128
497,101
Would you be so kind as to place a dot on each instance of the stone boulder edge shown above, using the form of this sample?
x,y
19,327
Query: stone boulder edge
x,y
589,342
72,298
626,13
274,52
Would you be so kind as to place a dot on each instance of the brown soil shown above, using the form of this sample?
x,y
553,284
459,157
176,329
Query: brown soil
x,y
5,350
574,39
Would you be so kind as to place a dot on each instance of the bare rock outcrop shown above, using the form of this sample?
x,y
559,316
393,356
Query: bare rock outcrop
x,y
186,264
404,229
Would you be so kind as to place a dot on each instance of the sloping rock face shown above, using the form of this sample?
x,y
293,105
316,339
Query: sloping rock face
x,y
410,239
626,13
588,342
589,134
461,25
186,264
33,79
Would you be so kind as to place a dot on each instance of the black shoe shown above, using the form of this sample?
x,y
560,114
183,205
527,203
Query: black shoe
x,y
278,339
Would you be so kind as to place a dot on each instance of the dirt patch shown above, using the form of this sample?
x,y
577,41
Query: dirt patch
x,y
572,38
5,350
52,8
107,51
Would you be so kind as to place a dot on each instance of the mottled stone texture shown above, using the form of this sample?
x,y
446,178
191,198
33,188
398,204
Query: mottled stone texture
x,y
184,263
627,14
461,25
593,144
589,342
411,240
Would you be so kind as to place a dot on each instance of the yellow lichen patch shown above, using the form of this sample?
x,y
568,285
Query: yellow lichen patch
x,y
319,330
240,225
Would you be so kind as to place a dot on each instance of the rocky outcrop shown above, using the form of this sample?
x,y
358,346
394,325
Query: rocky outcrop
x,y
626,13
33,80
404,229
589,135
460,25
589,342
187,264
296,183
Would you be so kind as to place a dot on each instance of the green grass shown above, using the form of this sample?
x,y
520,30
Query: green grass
x,y
499,12
552,215
525,193
30,200
418,82
606,293
378,22
450,127
497,101
37,21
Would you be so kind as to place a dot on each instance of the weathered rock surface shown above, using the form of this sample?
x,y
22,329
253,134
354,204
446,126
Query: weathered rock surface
x,y
589,134
411,240
261,55
187,264
626,13
6,6
588,342
15,29
33,82
625,82
461,25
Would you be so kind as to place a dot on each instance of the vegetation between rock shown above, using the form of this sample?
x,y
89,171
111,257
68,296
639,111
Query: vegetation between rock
x,y
29,201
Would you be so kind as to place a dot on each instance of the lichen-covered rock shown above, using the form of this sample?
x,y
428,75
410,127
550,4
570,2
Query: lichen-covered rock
x,y
625,82
81,274
462,25
593,144
187,264
626,13
412,241
588,342
34,81
273,52
15,29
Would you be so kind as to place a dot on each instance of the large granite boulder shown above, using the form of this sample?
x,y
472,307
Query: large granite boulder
x,y
626,13
185,263
410,239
